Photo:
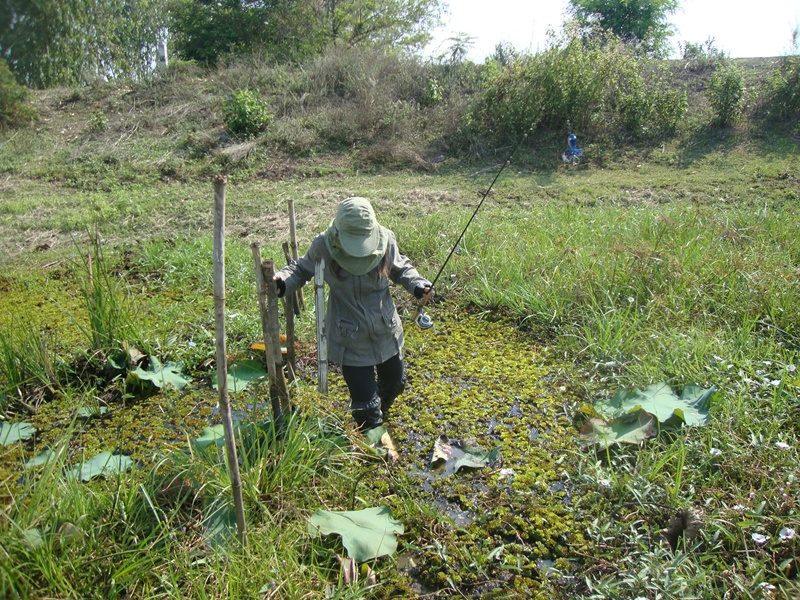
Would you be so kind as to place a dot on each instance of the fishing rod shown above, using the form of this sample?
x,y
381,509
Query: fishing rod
x,y
423,321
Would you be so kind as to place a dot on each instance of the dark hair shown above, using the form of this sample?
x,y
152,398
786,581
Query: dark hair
x,y
382,270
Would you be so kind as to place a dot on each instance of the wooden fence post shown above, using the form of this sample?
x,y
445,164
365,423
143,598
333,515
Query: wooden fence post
x,y
273,339
322,334
222,360
279,395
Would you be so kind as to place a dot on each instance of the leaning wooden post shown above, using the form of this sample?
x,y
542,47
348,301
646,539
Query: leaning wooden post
x,y
222,360
272,337
301,303
263,308
322,334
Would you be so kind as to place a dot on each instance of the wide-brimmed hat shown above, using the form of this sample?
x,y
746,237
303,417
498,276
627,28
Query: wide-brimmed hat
x,y
355,238
358,229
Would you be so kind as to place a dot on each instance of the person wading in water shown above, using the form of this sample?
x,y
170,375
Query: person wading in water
x,y
365,335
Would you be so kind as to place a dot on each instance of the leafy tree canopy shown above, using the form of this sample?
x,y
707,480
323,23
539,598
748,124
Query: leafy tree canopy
x,y
204,30
288,29
52,42
639,22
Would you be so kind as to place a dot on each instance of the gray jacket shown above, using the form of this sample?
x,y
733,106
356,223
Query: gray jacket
x,y
363,326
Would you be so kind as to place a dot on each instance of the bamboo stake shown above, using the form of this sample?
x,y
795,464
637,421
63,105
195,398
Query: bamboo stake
x,y
322,335
301,302
222,360
263,309
272,338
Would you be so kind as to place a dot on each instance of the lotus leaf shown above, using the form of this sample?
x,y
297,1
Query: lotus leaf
x,y
451,456
632,416
691,407
380,440
366,534
159,375
627,429
219,525
212,436
102,465
15,432
241,374
42,458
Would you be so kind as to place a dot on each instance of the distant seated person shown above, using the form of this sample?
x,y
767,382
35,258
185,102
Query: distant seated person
x,y
573,154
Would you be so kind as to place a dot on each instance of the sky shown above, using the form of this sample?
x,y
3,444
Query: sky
x,y
742,28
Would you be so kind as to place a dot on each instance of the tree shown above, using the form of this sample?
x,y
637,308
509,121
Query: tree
x,y
52,42
403,23
639,22
292,29
205,30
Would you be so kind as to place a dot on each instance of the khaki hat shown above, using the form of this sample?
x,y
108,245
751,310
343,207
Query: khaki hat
x,y
355,238
358,229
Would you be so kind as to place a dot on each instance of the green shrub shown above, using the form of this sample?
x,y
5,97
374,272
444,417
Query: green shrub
x,y
98,122
15,107
784,94
650,110
597,88
726,95
360,96
700,57
245,113
294,136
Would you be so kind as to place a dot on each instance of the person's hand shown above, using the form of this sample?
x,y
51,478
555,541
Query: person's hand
x,y
280,284
424,294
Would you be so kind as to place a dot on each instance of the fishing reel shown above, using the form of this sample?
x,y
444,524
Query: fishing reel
x,y
423,321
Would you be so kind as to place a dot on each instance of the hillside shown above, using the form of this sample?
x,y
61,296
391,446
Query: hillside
x,y
154,139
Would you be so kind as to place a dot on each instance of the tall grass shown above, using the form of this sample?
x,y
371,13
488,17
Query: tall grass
x,y
657,289
29,365
110,318
141,534
784,91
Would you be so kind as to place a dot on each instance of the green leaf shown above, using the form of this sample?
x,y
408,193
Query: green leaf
x,y
33,538
627,429
659,400
88,412
102,465
159,375
449,457
374,435
632,416
42,458
366,534
15,432
241,374
211,436
697,402
381,443
219,526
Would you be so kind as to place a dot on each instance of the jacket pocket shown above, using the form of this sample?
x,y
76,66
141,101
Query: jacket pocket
x,y
389,314
347,329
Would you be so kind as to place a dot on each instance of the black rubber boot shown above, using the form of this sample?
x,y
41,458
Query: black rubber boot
x,y
389,393
369,415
